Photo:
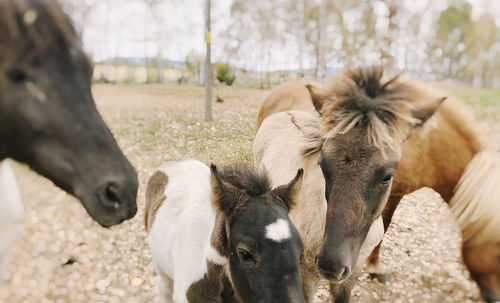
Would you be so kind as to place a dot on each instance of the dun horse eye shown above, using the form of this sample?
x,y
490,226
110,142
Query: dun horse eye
x,y
245,255
17,76
387,179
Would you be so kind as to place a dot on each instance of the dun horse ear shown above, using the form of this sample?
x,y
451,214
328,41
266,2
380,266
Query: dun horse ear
x,y
425,111
221,191
318,95
288,192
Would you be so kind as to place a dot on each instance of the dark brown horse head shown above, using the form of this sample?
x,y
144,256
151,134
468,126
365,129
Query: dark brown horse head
x,y
48,118
254,232
364,121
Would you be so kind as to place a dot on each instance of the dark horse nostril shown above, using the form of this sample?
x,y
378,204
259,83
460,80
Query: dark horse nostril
x,y
112,195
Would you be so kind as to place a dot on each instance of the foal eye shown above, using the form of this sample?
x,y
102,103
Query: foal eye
x,y
17,76
387,178
245,256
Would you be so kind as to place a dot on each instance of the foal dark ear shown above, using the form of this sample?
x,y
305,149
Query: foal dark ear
x,y
425,111
287,193
222,192
318,95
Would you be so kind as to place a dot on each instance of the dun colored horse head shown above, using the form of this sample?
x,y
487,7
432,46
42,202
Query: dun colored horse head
x,y
364,121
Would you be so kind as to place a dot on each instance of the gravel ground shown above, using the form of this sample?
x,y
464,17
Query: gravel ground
x,y
63,256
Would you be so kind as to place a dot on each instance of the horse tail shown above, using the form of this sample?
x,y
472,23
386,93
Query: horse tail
x,y
476,200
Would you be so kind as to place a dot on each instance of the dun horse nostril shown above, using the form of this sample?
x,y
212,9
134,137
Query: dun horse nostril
x,y
344,273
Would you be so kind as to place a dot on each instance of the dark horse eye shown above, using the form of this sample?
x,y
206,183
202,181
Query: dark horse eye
x,y
17,76
245,256
387,179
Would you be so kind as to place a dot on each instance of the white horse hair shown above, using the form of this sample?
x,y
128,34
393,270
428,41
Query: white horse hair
x,y
11,213
180,251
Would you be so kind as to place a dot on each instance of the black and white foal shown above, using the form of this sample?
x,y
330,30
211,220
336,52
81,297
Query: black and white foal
x,y
214,231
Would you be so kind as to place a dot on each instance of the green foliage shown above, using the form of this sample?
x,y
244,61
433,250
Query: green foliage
x,y
225,73
455,22
482,97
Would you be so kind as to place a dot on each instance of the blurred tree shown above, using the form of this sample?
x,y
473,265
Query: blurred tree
x,y
453,25
80,11
480,45
155,13
193,65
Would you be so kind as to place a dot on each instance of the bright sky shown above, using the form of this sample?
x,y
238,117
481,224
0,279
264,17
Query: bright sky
x,y
118,28
178,29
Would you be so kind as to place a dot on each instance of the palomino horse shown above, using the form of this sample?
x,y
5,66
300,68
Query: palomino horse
x,y
453,156
290,95
357,144
294,127
48,118
213,229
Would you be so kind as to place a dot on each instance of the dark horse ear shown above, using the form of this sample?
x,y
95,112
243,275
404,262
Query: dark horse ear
x,y
222,192
318,95
425,111
287,193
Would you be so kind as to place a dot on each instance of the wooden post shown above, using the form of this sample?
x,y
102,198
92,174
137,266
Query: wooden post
x,y
208,65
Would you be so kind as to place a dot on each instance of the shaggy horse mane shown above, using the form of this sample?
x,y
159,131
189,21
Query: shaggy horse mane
x,y
359,97
255,182
29,27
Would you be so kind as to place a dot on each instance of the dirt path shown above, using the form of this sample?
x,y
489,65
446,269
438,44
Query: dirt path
x,y
157,123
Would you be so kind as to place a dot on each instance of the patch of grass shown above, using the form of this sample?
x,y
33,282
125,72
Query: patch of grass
x,y
481,97
167,124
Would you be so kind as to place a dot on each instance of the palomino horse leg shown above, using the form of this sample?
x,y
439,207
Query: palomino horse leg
x,y
374,267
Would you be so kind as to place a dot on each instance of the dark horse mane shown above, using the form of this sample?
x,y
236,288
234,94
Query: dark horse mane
x,y
30,27
245,177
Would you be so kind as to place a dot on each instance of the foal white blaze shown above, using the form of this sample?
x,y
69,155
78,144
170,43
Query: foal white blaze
x,y
278,231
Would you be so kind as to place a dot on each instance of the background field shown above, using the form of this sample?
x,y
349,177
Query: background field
x,y
156,123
